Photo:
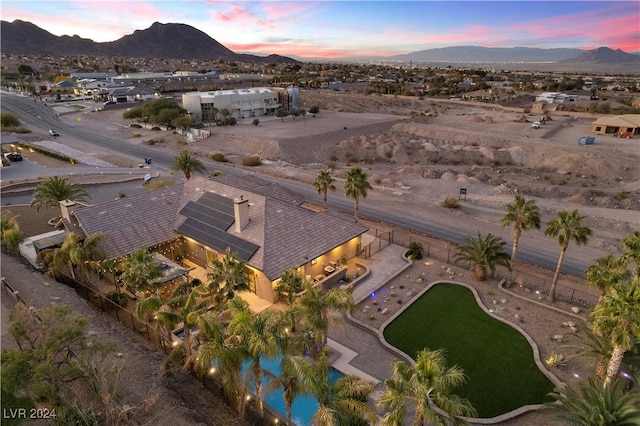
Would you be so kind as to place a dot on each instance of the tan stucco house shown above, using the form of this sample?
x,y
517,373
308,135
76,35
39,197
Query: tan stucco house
x,y
262,223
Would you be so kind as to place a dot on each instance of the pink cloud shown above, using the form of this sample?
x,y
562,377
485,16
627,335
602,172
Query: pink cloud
x,y
242,15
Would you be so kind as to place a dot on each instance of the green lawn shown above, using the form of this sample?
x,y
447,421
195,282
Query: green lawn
x,y
497,360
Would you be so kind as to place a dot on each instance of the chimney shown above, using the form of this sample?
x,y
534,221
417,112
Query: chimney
x,y
67,207
241,212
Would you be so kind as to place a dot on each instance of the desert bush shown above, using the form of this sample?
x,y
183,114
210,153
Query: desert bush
x,y
150,142
215,173
136,135
9,120
256,122
451,203
622,195
252,161
135,126
219,157
156,128
118,298
415,251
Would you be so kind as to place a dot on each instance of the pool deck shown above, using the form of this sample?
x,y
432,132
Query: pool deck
x,y
362,353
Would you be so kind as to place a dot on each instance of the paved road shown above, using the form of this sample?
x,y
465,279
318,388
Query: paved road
x,y
38,115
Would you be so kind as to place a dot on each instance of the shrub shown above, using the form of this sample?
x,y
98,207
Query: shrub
x,y
135,126
415,251
252,161
556,360
136,135
256,122
219,157
451,203
9,120
156,128
622,195
215,173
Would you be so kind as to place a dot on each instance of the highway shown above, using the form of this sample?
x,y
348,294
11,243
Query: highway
x,y
38,115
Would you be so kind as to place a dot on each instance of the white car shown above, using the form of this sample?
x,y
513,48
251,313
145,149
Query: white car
x,y
53,133
536,125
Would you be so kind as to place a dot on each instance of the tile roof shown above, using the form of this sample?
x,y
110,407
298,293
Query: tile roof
x,y
133,222
286,233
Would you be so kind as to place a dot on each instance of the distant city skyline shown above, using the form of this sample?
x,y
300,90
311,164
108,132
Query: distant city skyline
x,y
350,29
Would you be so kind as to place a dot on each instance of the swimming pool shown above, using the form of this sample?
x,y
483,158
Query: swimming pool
x,y
304,406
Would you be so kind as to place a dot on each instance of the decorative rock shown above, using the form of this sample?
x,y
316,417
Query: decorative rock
x,y
517,317
575,309
119,354
460,274
503,300
419,280
571,324
558,337
449,271
385,311
366,308
574,329
392,287
495,302
386,299
410,293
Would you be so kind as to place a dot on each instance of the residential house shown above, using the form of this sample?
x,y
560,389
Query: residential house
x,y
627,123
262,223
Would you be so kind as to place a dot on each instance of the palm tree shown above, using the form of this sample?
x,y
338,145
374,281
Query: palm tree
x,y
356,185
425,387
618,316
485,253
316,308
288,381
55,189
566,227
86,254
291,282
183,306
631,245
341,403
187,163
591,404
605,273
219,353
522,215
323,184
139,269
258,334
228,276
11,235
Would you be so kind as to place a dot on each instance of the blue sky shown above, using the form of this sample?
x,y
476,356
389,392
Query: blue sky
x,y
338,29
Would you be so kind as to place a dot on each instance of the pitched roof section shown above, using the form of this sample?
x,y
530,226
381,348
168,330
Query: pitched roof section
x,y
260,186
293,235
134,222
626,120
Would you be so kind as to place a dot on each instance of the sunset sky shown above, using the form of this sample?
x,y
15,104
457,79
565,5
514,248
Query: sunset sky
x,y
337,29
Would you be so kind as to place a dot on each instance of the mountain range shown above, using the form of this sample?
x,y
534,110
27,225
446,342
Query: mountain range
x,y
181,41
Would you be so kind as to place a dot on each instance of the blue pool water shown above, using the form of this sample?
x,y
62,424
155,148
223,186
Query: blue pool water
x,y
304,406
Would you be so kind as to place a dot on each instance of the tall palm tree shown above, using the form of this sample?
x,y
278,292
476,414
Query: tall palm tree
x,y
566,227
316,308
139,269
424,387
523,215
188,164
228,276
55,189
356,185
591,404
220,353
11,235
618,316
259,339
323,184
288,381
605,273
485,253
342,403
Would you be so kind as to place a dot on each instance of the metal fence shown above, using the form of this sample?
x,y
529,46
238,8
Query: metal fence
x,y
445,252
381,240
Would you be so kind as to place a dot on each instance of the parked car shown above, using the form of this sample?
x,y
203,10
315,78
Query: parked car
x,y
14,156
110,103
53,133
536,125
